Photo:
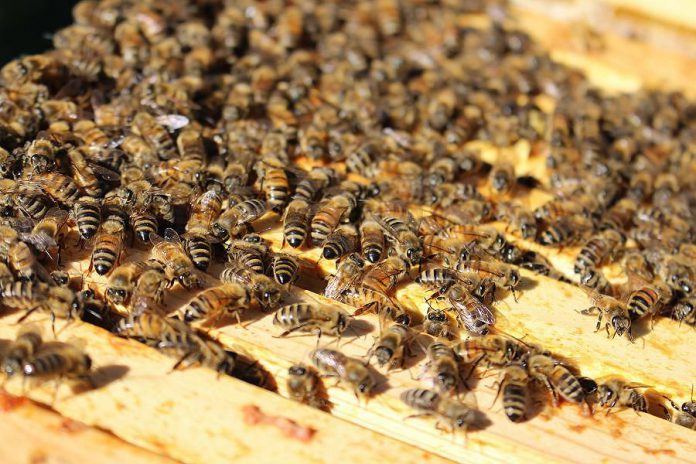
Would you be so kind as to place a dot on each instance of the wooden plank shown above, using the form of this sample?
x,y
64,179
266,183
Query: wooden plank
x,y
193,415
34,434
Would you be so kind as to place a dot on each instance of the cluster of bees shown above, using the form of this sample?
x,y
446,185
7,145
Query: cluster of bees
x,y
156,134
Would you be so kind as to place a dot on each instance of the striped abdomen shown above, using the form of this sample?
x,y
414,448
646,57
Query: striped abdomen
x,y
144,224
285,269
23,294
276,188
567,385
213,300
340,242
371,240
294,315
33,205
642,302
296,223
421,399
87,217
199,250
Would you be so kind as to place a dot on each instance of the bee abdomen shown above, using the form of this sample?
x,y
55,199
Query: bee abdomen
x,y
199,250
145,224
514,401
284,270
641,302
569,387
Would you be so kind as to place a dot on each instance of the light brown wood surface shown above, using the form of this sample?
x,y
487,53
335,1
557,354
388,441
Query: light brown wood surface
x,y
194,416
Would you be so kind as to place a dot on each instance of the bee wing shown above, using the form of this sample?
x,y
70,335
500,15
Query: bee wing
x,y
171,235
41,242
156,238
172,122
104,173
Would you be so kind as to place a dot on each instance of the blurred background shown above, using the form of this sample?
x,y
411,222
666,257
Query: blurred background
x,y
26,25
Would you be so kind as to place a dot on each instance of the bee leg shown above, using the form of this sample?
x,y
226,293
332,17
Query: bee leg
x,y
59,381
414,416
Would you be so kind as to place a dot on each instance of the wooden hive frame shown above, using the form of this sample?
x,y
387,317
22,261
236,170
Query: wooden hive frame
x,y
196,416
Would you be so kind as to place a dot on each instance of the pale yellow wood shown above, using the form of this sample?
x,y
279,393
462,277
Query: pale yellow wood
x,y
193,415
34,434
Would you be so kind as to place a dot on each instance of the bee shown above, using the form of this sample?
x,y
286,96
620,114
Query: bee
x,y
559,208
392,345
238,215
502,274
685,311
340,242
58,360
442,170
46,234
285,269
458,415
613,312
306,317
594,279
614,393
274,183
147,127
303,385
502,177
205,209
6,275
557,379
494,350
108,244
59,187
384,276
215,301
348,275
250,251
371,240
678,274
148,291
438,324
122,281
448,194
367,299
640,186
519,218
24,262
514,387
169,251
565,230
471,313
88,176
24,294
443,366
87,213
331,211
597,249
348,370
21,350
619,216
402,238
686,415
261,287
40,154
363,160
296,222
647,300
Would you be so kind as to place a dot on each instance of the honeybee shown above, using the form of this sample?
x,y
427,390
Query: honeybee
x,y
87,213
296,223
448,194
519,218
597,249
24,262
437,323
21,350
46,234
59,187
88,176
502,274
61,360
685,311
40,154
458,415
514,387
261,287
341,241
216,301
392,345
108,244
620,215
238,215
205,209
594,279
351,371
443,366
648,300
686,415
331,211
565,230
494,350
371,240
250,251
384,276
557,379
149,288
303,386
122,281
348,275
559,208
367,299
502,177
613,312
475,316
306,317
441,170
274,183
402,238
285,269
677,273
147,127
615,393
169,251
